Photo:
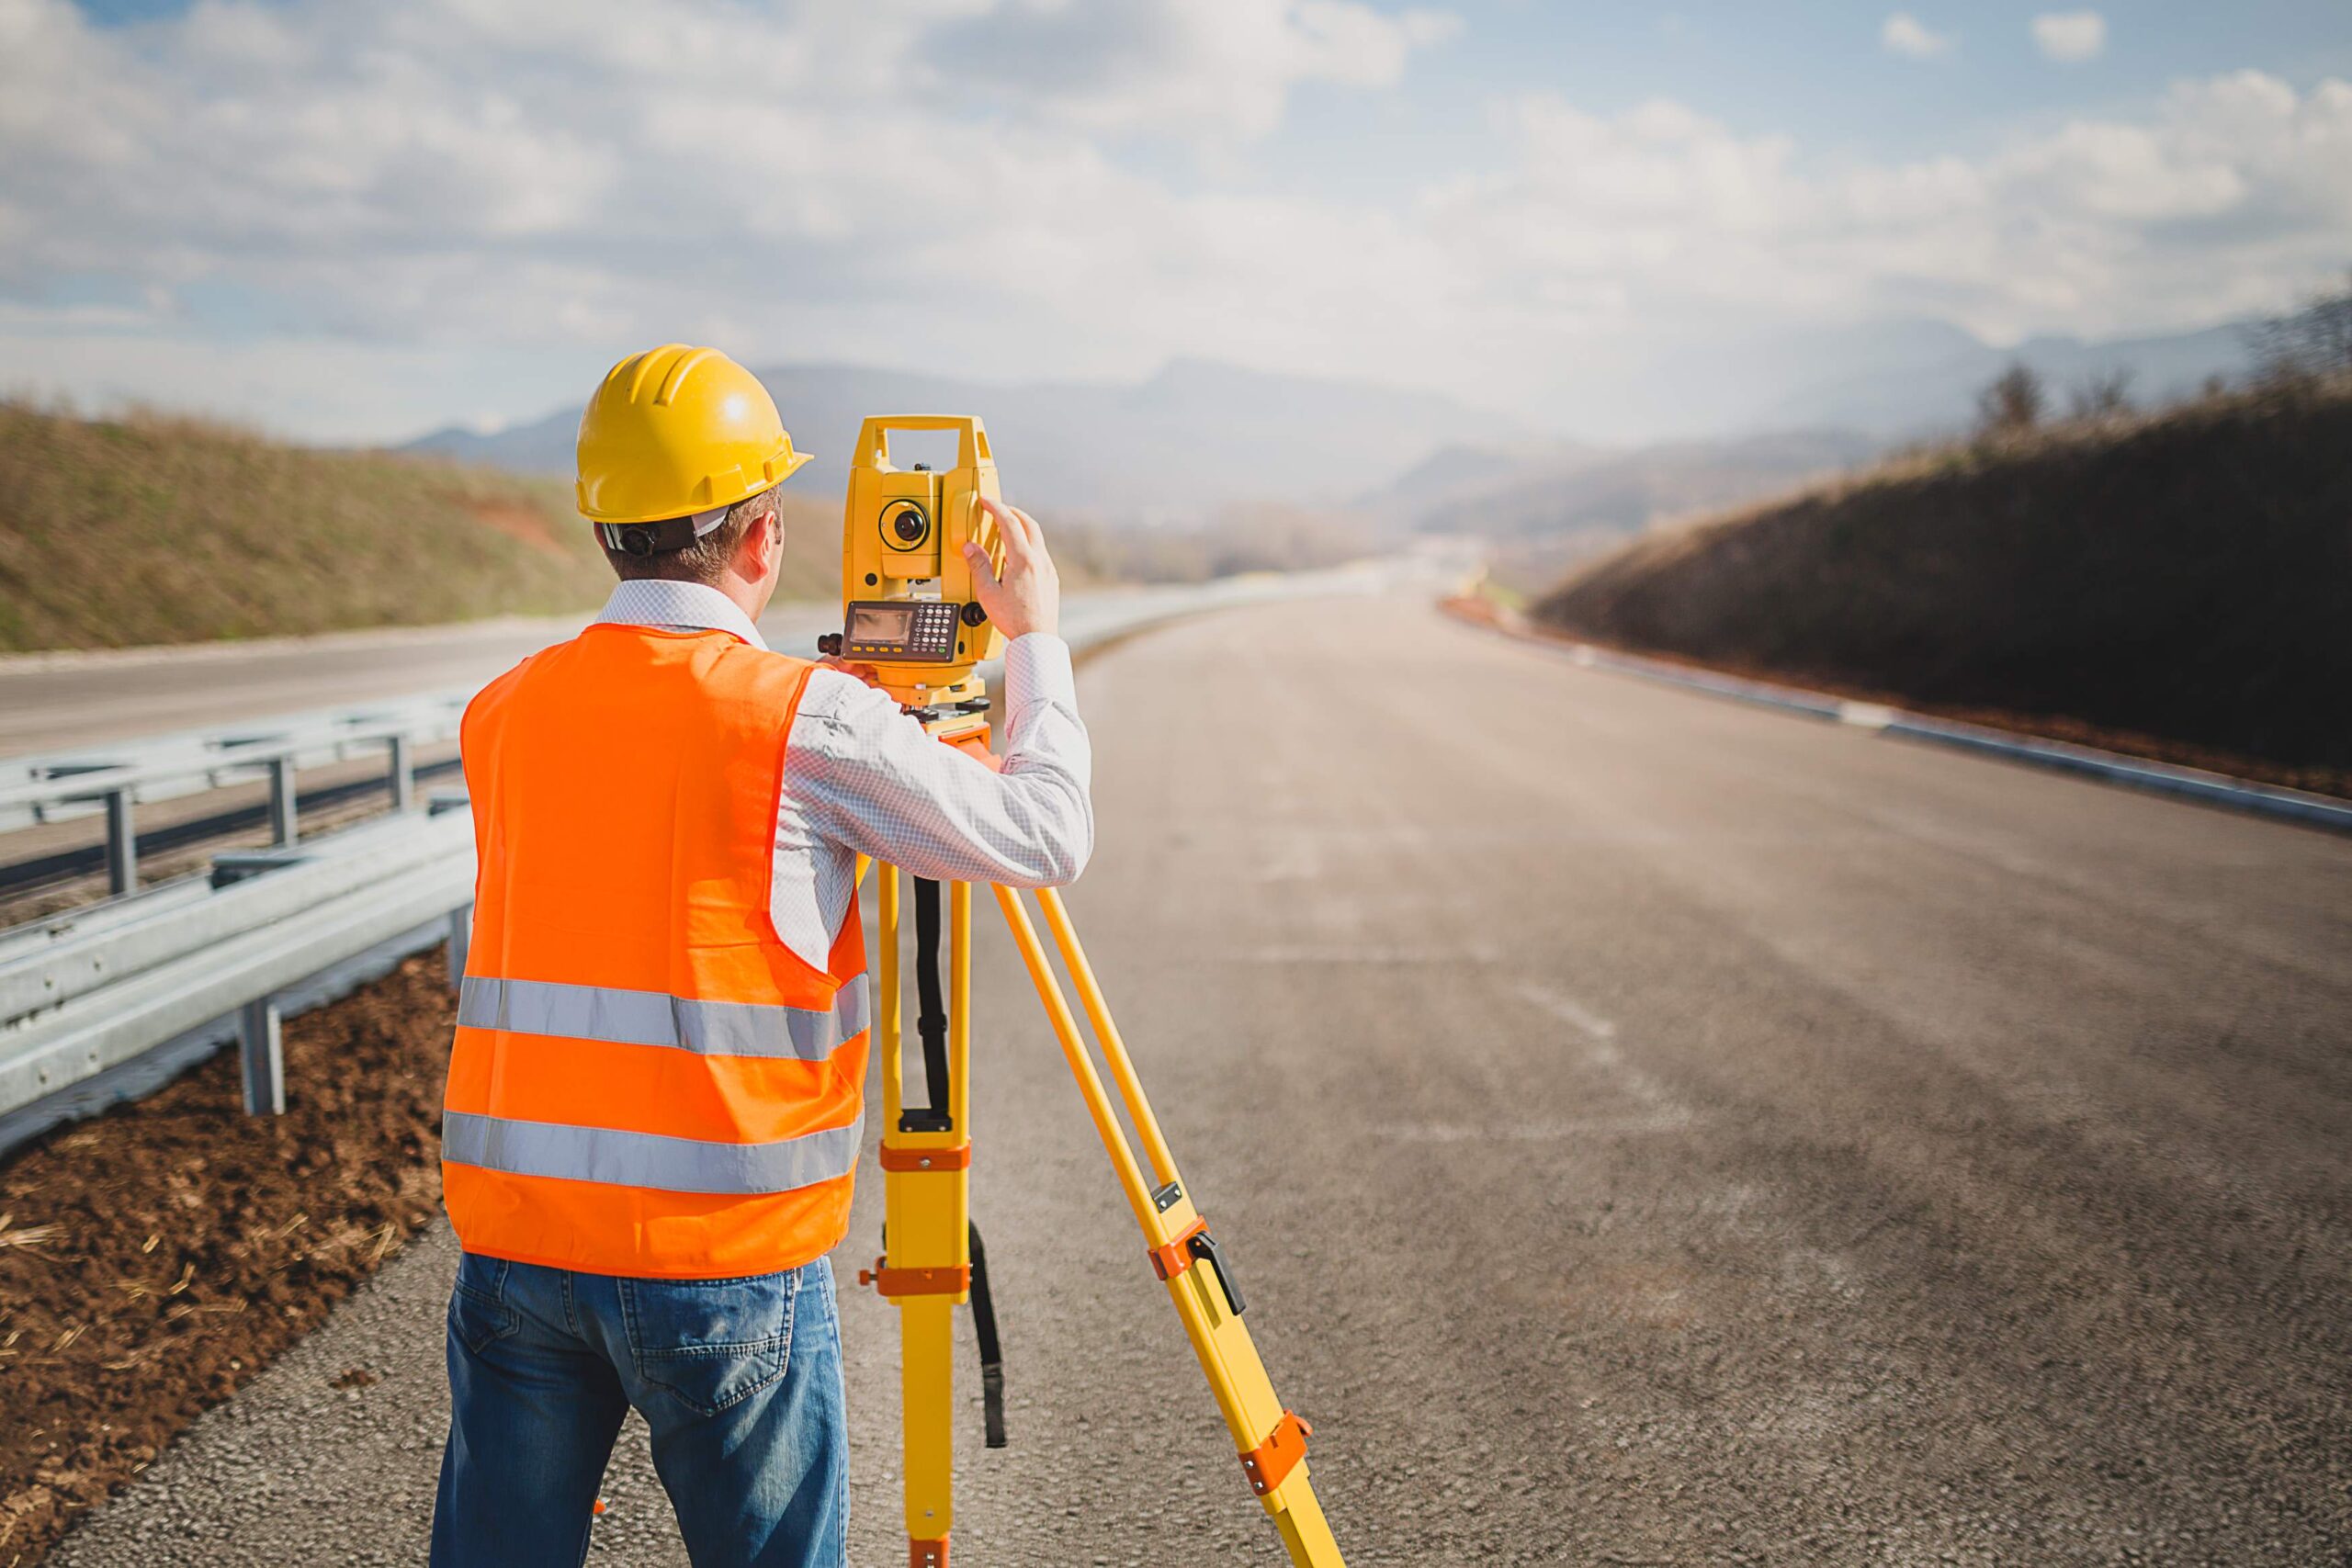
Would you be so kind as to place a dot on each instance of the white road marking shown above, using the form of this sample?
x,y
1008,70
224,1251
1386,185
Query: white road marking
x,y
1368,952
1637,1083
1603,1052
1567,1010
1531,1131
1292,859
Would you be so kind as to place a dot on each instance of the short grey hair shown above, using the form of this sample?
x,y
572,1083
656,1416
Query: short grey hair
x,y
705,560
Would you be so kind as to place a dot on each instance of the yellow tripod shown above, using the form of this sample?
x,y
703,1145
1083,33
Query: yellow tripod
x,y
927,1266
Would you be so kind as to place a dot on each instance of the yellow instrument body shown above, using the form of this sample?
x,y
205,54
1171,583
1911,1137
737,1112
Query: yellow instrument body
x,y
907,601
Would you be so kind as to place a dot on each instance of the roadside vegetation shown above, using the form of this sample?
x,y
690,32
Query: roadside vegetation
x,y
158,528
148,528
2170,581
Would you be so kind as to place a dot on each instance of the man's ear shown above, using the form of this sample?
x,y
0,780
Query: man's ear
x,y
774,522
752,555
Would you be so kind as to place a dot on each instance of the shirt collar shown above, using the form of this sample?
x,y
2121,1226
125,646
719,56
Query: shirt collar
x,y
659,602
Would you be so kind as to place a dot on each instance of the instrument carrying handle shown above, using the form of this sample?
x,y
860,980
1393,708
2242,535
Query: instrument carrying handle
x,y
971,446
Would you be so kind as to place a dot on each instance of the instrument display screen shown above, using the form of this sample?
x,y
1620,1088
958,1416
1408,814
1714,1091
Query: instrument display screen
x,y
900,629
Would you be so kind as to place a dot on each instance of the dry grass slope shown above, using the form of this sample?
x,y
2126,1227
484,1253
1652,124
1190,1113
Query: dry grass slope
x,y
156,529
2177,582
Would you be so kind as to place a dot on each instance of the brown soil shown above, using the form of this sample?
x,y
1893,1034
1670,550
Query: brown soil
x,y
527,524
154,1259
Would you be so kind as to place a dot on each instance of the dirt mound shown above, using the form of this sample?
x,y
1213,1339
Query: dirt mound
x,y
153,1259
2180,577
527,524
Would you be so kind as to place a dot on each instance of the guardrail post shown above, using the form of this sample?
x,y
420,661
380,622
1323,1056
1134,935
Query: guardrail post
x,y
122,843
404,774
283,827
461,938
260,1045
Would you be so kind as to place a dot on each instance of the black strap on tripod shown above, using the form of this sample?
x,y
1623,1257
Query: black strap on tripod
x,y
992,1353
931,1021
931,1028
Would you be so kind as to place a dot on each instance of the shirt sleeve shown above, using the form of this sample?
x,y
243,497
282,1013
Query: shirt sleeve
x,y
864,774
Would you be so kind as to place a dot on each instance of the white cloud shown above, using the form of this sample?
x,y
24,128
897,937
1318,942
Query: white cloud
x,y
2070,35
2197,211
1202,70
358,220
1906,35
474,177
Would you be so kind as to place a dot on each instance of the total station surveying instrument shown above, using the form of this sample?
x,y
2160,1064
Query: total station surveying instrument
x,y
909,610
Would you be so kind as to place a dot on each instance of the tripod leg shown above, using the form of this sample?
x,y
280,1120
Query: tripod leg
x,y
1106,1029
925,1269
927,1380
1270,1440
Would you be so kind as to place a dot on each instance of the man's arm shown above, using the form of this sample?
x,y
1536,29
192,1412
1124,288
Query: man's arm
x,y
864,774
867,775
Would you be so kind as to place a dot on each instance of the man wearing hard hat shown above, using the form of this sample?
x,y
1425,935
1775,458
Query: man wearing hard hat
x,y
656,1092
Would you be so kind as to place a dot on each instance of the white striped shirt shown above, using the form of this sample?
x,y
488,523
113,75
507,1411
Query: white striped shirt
x,y
860,777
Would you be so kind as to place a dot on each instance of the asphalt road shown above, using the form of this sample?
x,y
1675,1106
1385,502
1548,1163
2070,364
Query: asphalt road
x,y
1650,1129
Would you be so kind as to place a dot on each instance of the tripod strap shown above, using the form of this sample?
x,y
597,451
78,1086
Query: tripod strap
x,y
991,1352
930,1019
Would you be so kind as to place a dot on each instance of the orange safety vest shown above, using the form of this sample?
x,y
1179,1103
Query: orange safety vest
x,y
645,1080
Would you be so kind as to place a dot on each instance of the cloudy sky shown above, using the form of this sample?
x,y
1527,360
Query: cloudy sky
x,y
357,221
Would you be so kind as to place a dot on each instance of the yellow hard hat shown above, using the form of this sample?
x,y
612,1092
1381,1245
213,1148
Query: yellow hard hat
x,y
677,430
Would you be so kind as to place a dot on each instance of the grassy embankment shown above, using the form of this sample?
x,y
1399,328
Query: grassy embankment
x,y
156,529
153,528
2174,584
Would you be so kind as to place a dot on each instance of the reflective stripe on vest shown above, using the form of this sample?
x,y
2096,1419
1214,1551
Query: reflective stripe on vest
x,y
646,1159
655,1018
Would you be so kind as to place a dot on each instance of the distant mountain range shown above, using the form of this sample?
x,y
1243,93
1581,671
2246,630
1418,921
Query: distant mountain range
x,y
1194,439
1936,394
1200,437
1520,492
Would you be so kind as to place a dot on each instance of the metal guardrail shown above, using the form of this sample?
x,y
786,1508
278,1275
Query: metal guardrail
x,y
91,1000
115,780
159,932
112,1001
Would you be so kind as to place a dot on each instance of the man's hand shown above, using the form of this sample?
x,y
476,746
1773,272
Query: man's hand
x,y
1026,595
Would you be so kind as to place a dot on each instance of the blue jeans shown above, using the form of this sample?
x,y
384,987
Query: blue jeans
x,y
741,1380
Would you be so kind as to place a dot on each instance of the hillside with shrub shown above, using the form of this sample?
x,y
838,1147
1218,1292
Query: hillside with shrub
x,y
155,529
2175,584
